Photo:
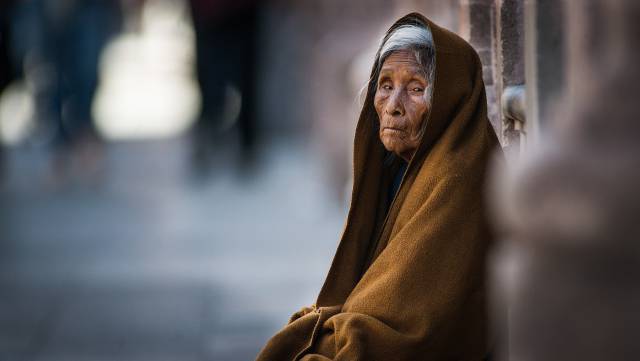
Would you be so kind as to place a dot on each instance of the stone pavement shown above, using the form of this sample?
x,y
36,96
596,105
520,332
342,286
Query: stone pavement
x,y
150,265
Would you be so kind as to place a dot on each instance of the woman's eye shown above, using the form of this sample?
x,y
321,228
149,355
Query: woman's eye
x,y
385,87
417,90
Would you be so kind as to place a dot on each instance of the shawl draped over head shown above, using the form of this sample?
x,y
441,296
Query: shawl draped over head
x,y
410,285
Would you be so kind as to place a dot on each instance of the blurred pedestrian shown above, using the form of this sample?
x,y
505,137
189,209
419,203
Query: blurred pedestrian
x,y
60,43
226,56
8,70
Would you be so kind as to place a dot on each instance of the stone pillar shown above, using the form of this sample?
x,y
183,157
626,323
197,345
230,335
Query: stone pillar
x,y
509,73
510,32
477,25
570,270
545,65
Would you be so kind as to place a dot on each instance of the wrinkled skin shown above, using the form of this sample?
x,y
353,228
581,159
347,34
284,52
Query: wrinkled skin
x,y
401,103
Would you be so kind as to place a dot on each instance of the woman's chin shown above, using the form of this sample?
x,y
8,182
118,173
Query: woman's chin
x,y
393,146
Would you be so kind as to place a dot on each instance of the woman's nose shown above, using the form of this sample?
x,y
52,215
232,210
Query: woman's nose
x,y
395,106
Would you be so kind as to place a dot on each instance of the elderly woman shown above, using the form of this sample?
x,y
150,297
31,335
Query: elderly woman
x,y
407,281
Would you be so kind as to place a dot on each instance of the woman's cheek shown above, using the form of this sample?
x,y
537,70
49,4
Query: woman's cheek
x,y
378,103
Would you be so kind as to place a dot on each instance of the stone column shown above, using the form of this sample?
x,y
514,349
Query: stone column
x,y
545,65
477,25
509,73
570,271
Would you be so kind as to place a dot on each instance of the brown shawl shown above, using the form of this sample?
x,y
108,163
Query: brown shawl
x,y
414,289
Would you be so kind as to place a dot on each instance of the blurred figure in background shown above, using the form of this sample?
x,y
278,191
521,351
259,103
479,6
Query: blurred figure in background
x,y
226,56
59,44
7,69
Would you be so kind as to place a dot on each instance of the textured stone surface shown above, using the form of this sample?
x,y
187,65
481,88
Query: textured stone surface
x,y
548,77
572,208
511,41
510,68
477,25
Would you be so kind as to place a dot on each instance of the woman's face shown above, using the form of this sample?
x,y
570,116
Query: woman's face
x,y
401,103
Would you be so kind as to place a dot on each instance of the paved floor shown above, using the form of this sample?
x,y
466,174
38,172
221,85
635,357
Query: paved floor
x,y
150,265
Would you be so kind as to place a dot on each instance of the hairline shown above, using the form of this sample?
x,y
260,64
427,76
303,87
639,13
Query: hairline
x,y
416,39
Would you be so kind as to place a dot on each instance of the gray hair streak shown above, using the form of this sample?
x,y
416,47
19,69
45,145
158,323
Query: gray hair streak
x,y
419,41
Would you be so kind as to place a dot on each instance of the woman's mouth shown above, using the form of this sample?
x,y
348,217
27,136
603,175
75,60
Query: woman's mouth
x,y
392,130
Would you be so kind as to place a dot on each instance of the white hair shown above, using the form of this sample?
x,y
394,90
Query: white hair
x,y
406,37
416,39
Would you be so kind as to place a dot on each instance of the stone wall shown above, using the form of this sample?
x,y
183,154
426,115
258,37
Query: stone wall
x,y
569,270
477,25
495,28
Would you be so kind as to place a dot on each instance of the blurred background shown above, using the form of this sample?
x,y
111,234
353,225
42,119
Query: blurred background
x,y
175,174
